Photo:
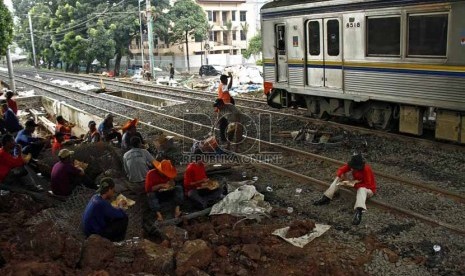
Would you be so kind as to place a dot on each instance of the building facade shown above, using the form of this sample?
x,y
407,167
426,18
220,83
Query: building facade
x,y
231,25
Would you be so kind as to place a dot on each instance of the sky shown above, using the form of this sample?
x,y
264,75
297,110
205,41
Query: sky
x,y
9,4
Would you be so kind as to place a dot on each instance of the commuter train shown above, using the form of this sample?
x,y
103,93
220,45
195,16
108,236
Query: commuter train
x,y
381,61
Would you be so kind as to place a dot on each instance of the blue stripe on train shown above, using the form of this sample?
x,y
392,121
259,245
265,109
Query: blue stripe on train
x,y
382,70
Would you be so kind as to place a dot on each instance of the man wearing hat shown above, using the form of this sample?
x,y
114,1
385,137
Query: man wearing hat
x,y
107,131
65,176
32,145
92,135
354,174
101,218
130,130
160,183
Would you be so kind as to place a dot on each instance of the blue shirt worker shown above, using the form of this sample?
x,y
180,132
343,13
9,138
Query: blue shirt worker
x,y
9,122
101,218
32,145
107,131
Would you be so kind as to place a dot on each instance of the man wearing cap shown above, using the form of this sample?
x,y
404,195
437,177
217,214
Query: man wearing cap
x,y
10,121
12,167
32,145
195,178
65,176
130,130
101,218
160,183
354,174
107,131
136,164
92,135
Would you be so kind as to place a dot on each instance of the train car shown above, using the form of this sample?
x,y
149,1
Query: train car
x,y
382,61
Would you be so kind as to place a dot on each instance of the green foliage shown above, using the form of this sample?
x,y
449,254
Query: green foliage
x,y
259,62
6,28
255,46
189,20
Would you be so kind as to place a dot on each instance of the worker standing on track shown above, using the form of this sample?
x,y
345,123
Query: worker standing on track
x,y
354,174
223,94
171,74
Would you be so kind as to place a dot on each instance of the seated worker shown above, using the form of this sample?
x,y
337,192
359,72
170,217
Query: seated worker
x,y
160,182
64,127
92,136
66,176
10,121
130,130
101,218
107,131
195,179
59,141
136,165
11,167
363,180
11,103
32,145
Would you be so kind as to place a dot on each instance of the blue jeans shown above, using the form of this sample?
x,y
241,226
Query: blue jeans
x,y
177,194
202,198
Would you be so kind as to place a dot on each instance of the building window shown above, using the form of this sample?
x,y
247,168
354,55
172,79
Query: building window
x,y
243,35
427,35
225,38
234,37
211,36
243,16
214,16
224,17
215,36
332,27
383,36
210,15
233,15
314,38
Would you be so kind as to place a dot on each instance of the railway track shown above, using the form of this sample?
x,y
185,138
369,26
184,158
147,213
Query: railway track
x,y
121,107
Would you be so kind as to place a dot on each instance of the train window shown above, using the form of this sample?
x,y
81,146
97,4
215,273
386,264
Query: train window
x,y
427,35
332,27
314,38
383,36
281,40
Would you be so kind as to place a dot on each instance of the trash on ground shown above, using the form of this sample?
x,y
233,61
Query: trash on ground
x,y
319,230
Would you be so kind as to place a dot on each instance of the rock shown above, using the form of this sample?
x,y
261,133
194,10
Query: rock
x,y
252,251
194,271
194,253
175,235
222,251
33,268
99,273
153,258
391,255
97,252
242,272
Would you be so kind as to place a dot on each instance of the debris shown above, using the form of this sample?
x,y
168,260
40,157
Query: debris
x,y
269,189
244,201
436,248
97,252
194,253
299,228
319,230
290,210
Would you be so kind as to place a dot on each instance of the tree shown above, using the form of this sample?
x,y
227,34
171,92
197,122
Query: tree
x,y
6,28
101,44
254,47
189,20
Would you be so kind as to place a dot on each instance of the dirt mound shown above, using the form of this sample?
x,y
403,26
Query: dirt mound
x,y
299,228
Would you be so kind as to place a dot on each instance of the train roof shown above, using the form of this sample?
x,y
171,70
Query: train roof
x,y
297,7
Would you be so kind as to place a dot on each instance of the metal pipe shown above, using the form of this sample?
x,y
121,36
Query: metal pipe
x,y
10,70
32,40
150,36
141,36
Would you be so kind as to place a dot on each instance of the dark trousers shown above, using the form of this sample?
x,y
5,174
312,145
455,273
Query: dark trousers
x,y
114,135
223,124
202,198
2,126
177,194
19,175
116,229
33,149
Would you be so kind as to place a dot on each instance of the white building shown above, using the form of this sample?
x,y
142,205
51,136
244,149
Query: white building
x,y
224,46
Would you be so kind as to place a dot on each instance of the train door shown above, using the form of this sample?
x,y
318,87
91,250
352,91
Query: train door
x,y
324,56
281,53
315,56
333,53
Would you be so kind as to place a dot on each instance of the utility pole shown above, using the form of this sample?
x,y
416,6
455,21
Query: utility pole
x,y
141,35
10,70
32,40
150,34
